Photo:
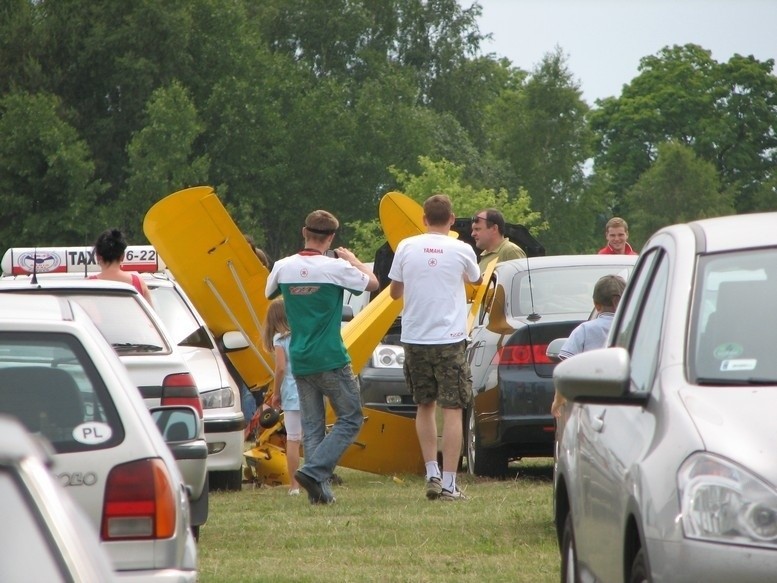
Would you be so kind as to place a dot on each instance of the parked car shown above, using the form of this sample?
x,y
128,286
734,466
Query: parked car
x,y
63,381
528,303
221,404
219,393
664,465
137,334
47,541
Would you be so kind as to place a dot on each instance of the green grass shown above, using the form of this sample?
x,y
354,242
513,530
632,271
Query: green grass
x,y
382,529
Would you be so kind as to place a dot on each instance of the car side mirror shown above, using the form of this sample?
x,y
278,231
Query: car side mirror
x,y
176,424
233,340
554,348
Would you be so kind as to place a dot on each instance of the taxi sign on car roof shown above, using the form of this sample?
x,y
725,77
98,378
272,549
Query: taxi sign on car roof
x,y
29,260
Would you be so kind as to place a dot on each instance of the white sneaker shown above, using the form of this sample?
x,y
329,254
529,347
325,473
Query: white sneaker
x,y
455,495
294,492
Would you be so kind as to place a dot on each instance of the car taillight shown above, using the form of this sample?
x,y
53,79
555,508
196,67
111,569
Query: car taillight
x,y
139,502
522,354
180,389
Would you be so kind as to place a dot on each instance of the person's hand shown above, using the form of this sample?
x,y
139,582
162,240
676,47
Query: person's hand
x,y
275,402
346,254
558,402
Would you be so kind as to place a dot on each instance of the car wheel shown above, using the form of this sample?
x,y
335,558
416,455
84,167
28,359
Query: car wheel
x,y
569,553
231,481
481,461
639,568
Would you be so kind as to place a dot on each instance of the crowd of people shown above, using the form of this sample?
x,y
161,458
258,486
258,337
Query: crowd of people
x,y
313,368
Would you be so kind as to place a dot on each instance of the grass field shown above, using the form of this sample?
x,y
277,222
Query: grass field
x,y
384,529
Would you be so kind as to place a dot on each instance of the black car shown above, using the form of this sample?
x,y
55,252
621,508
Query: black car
x,y
529,303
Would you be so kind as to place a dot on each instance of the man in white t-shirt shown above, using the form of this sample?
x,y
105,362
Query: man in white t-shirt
x,y
430,270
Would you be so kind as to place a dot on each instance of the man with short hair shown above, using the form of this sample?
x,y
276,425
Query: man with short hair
x,y
617,234
429,270
312,285
592,333
488,230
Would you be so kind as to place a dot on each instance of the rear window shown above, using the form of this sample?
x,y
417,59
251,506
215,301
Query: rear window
x,y
124,323
50,384
562,290
734,320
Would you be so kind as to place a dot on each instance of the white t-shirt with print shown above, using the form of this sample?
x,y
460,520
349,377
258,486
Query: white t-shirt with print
x,y
433,268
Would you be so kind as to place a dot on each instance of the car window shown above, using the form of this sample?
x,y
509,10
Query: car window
x,y
734,322
566,290
49,383
647,334
182,326
124,323
633,299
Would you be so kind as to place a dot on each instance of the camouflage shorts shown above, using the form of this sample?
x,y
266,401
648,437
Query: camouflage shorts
x,y
438,372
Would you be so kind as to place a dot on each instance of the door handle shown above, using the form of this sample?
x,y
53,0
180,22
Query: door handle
x,y
597,423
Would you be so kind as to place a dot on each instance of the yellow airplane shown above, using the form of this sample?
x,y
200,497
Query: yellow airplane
x,y
207,253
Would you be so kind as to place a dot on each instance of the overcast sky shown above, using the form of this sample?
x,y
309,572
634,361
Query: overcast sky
x,y
605,39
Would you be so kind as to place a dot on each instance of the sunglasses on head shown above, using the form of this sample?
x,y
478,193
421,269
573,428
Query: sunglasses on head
x,y
476,218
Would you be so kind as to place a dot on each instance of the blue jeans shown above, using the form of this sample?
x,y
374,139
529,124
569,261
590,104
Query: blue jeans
x,y
323,450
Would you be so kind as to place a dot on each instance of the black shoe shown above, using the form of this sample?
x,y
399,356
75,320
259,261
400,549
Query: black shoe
x,y
316,493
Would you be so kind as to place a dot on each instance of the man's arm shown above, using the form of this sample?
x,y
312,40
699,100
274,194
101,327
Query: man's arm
x,y
346,254
396,289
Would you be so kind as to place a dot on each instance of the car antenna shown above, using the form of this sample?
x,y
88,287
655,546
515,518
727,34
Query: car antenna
x,y
534,316
34,279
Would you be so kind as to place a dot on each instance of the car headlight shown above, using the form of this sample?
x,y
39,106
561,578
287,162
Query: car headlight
x,y
388,356
722,502
222,397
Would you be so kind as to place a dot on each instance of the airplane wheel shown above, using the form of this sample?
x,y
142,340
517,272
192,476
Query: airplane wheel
x,y
269,417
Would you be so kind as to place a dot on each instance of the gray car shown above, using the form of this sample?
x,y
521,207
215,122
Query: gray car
x,y
665,468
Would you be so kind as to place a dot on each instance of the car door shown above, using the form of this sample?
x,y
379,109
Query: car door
x,y
613,437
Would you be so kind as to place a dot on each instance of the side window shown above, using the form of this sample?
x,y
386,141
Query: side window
x,y
635,292
647,334
488,298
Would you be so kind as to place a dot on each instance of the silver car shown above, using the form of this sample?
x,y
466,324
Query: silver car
x,y
665,468
62,380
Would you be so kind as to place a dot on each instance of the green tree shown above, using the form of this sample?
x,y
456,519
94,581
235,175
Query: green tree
x,y
725,112
679,187
161,159
448,178
540,127
48,189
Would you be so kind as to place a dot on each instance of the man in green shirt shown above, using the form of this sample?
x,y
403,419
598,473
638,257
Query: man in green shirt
x,y
312,284
488,230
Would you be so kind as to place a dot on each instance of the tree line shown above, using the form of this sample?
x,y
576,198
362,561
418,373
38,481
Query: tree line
x,y
284,106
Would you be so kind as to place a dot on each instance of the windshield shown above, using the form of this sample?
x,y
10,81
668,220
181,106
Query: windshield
x,y
124,323
563,290
734,320
181,325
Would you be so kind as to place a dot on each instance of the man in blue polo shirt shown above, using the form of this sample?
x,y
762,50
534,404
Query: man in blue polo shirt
x,y
312,285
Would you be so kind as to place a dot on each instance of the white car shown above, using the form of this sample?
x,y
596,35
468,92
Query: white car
x,y
62,380
219,393
47,542
224,420
138,336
